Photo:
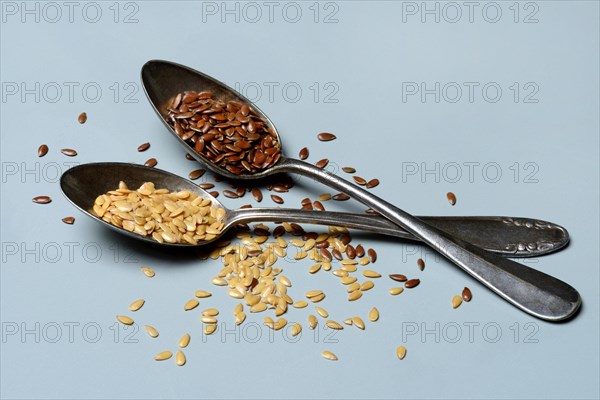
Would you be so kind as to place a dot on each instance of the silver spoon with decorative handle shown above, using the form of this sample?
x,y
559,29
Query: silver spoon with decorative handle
x,y
530,290
507,236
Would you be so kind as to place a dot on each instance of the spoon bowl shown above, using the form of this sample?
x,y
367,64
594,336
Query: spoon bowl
x,y
83,183
163,80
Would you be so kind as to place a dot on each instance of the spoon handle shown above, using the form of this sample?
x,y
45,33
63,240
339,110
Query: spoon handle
x,y
507,236
534,292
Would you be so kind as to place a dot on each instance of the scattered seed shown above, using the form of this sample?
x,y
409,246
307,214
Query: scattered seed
x,y
285,281
314,269
359,180
276,199
412,283
372,183
210,312
219,281
343,274
42,199
364,261
349,170
358,322
398,277
278,231
238,308
303,153
151,331
250,300
466,294
149,272
396,291
296,329
349,265
240,318
329,355
191,304
326,137
195,174
456,301
257,194
355,295
143,147
206,185
82,118
322,163
236,294
350,251
333,324
312,321
184,341
180,358
322,312
209,329
372,255
69,220
313,293
318,205
367,273
348,280
280,323
353,287
451,198
421,264
337,254
201,294
341,197
259,307
42,150
163,355
360,251
401,352
69,152
230,194
269,323
318,298
326,254
300,304
151,162
373,314
325,196
367,285
125,320
136,305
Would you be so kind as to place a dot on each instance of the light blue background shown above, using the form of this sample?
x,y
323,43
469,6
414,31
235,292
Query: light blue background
x,y
365,57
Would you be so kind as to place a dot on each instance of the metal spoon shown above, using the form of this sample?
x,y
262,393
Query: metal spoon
x,y
530,290
507,236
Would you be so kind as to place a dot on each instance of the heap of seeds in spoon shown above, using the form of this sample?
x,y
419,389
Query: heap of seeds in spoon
x,y
177,217
230,134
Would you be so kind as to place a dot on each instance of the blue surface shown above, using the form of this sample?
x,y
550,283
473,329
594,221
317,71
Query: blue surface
x,y
61,285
